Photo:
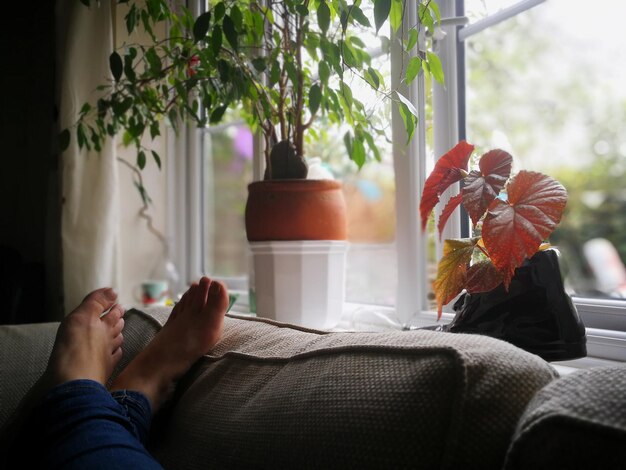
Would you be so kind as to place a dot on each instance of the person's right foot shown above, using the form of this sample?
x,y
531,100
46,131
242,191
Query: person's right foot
x,y
88,345
193,328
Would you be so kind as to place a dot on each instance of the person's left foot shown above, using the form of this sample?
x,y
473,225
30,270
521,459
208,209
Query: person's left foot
x,y
193,328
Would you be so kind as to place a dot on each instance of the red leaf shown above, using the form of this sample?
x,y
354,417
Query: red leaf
x,y
446,172
482,277
447,211
452,270
482,187
514,231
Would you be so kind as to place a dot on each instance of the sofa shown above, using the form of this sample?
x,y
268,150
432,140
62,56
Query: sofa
x,y
275,396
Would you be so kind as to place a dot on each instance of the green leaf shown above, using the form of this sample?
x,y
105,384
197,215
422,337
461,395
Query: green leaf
x,y
116,65
127,138
274,73
348,54
292,73
435,8
141,160
358,152
323,70
315,98
173,117
381,12
372,78
128,65
413,68
219,11
64,140
346,92
235,15
409,120
412,40
201,26
347,140
154,129
216,39
230,32
372,145
81,137
217,114
85,109
358,15
435,67
130,18
411,108
157,159
259,64
154,61
395,15
323,16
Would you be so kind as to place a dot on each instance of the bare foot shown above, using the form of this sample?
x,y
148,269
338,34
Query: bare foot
x,y
193,328
88,345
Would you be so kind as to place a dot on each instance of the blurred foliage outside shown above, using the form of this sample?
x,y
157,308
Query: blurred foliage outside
x,y
538,90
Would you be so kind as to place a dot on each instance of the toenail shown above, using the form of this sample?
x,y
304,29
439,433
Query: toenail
x,y
215,288
110,294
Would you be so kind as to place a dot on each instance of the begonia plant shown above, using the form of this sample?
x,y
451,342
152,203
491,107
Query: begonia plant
x,y
512,216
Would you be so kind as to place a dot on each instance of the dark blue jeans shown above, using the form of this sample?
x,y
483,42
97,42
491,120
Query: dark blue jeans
x,y
80,425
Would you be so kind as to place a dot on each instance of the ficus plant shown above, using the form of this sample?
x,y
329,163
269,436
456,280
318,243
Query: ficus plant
x,y
282,63
512,217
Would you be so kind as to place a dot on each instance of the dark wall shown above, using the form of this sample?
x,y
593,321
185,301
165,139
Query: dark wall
x,y
29,204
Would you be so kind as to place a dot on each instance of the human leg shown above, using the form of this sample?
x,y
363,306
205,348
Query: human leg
x,y
78,424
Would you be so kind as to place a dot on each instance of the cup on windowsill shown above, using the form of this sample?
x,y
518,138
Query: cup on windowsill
x,y
154,292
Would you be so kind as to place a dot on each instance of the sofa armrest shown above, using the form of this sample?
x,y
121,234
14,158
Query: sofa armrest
x,y
578,421
24,353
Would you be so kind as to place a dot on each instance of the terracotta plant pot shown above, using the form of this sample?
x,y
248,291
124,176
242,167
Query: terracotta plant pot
x,y
295,209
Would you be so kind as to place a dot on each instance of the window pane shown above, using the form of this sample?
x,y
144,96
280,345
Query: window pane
x,y
371,270
227,170
548,86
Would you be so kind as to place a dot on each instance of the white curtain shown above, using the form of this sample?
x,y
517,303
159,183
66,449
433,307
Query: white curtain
x,y
90,213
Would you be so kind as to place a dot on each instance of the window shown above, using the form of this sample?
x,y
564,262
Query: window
x,y
546,84
519,76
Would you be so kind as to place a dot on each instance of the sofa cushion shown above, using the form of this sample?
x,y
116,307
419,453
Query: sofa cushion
x,y
25,349
578,421
278,396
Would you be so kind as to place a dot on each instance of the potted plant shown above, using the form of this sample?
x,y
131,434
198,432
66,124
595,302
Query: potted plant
x,y
512,282
283,65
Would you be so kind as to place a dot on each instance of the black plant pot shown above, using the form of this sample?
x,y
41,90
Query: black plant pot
x,y
535,314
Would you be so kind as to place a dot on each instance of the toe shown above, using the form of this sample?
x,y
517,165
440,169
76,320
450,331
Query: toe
x,y
98,301
117,328
200,294
117,355
217,299
113,316
184,302
117,342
